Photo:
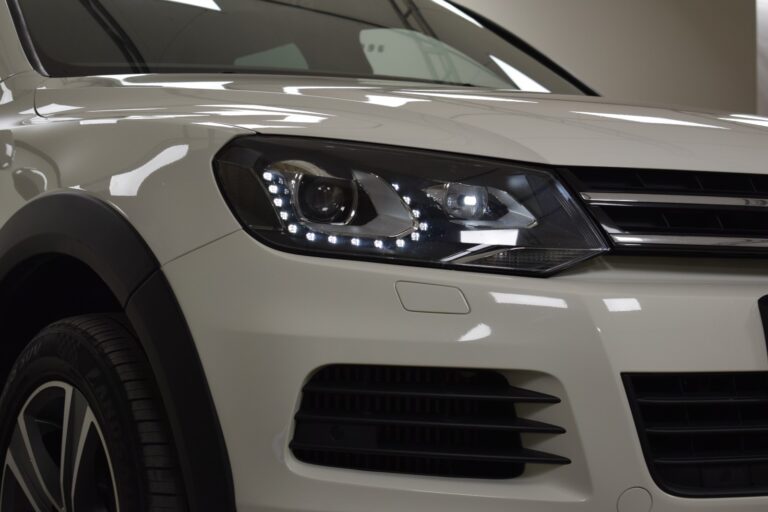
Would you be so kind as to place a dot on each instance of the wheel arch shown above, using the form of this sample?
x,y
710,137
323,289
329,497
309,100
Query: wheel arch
x,y
79,245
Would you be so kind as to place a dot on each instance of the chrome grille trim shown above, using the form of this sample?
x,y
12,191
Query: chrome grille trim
x,y
693,212
635,240
598,198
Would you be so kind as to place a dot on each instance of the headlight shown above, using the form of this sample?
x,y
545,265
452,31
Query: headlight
x,y
397,205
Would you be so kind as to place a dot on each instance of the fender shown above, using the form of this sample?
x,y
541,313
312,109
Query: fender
x,y
88,229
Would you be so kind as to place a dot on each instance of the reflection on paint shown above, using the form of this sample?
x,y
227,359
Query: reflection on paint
x,y
211,5
7,149
256,110
478,332
391,101
138,109
303,118
113,120
457,11
6,95
650,120
469,97
210,85
529,300
274,115
248,126
520,79
745,119
55,108
297,90
622,305
128,184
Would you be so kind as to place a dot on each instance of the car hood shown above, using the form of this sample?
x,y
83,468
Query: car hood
x,y
548,129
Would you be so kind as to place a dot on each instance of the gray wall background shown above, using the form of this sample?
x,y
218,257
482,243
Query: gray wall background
x,y
762,57
696,53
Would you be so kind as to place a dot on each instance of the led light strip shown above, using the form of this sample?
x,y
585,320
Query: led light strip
x,y
277,186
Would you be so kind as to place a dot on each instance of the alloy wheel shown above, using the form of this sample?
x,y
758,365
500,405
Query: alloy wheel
x,y
57,460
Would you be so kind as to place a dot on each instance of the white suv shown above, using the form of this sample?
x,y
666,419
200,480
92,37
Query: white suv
x,y
345,255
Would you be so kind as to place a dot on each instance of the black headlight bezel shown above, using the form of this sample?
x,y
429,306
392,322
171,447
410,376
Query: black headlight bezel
x,y
244,154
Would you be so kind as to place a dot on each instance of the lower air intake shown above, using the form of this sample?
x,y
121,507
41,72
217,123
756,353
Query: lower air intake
x,y
425,421
704,434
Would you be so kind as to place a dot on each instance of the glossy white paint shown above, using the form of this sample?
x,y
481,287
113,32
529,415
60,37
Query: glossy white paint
x,y
520,126
570,335
130,123
264,320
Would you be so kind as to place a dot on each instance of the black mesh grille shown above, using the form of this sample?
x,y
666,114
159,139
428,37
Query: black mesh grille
x,y
686,220
704,435
429,421
670,182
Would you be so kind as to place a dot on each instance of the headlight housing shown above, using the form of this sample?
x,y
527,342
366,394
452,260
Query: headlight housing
x,y
396,205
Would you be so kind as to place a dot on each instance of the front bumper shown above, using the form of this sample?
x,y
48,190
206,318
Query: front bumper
x,y
264,320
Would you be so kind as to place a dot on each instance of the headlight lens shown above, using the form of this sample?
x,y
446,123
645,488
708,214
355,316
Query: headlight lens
x,y
404,206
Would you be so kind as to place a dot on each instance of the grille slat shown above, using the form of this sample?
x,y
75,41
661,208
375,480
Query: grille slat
x,y
517,425
689,220
722,430
703,400
518,457
510,394
681,210
652,181
703,434
704,461
430,421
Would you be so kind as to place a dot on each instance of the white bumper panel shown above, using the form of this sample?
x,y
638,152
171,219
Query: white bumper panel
x,y
263,321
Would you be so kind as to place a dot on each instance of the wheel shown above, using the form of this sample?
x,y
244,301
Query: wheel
x,y
81,425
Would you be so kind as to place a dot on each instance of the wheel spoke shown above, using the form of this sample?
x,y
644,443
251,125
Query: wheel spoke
x,y
13,496
4,484
19,464
77,421
115,501
36,429
57,459
84,449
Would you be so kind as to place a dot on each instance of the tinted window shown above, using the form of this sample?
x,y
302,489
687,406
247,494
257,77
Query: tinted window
x,y
430,40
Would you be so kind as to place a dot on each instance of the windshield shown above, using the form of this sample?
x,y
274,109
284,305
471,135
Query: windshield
x,y
424,40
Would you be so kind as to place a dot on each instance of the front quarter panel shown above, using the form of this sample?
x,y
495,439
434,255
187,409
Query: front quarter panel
x,y
155,169
17,113
63,187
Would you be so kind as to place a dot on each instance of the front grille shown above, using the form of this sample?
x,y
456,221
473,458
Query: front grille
x,y
426,421
682,210
703,434
606,179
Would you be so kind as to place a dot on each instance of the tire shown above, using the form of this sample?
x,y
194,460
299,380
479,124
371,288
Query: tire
x,y
113,453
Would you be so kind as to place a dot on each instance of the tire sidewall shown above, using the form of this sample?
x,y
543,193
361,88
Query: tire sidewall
x,y
68,356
